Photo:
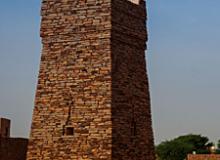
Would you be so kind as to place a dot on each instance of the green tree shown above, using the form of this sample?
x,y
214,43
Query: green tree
x,y
218,148
218,145
178,148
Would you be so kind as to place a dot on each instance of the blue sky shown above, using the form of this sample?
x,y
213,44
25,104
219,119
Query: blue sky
x,y
183,65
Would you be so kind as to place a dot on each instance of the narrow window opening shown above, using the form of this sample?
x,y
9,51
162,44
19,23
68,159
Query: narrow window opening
x,y
6,132
134,129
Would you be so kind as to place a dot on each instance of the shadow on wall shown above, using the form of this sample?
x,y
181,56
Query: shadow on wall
x,y
132,136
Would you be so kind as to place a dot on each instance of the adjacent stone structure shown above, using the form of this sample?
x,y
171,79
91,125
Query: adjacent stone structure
x,y
203,157
92,100
11,148
5,125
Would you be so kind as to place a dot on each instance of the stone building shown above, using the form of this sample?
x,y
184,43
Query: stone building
x,y
203,157
11,148
5,127
92,99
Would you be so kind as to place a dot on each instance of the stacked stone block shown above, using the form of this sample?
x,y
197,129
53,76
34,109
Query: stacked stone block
x,y
92,99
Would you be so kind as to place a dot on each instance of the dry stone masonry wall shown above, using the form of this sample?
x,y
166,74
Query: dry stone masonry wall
x,y
92,99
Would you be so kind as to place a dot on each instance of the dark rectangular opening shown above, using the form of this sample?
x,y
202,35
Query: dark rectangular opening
x,y
69,131
6,132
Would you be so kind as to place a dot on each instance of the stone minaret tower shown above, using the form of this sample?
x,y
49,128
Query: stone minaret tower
x,y
92,100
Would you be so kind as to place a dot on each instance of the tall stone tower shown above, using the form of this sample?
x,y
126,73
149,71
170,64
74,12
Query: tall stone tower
x,y
92,100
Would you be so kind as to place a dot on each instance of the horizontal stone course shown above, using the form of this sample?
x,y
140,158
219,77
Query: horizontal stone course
x,y
92,99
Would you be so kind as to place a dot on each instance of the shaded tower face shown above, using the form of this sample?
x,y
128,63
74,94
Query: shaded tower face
x,y
92,99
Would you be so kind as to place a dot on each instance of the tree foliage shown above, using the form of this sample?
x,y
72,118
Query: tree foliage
x,y
218,148
178,148
218,145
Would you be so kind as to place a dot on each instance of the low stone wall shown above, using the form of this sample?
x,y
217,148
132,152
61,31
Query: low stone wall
x,y
13,148
203,157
